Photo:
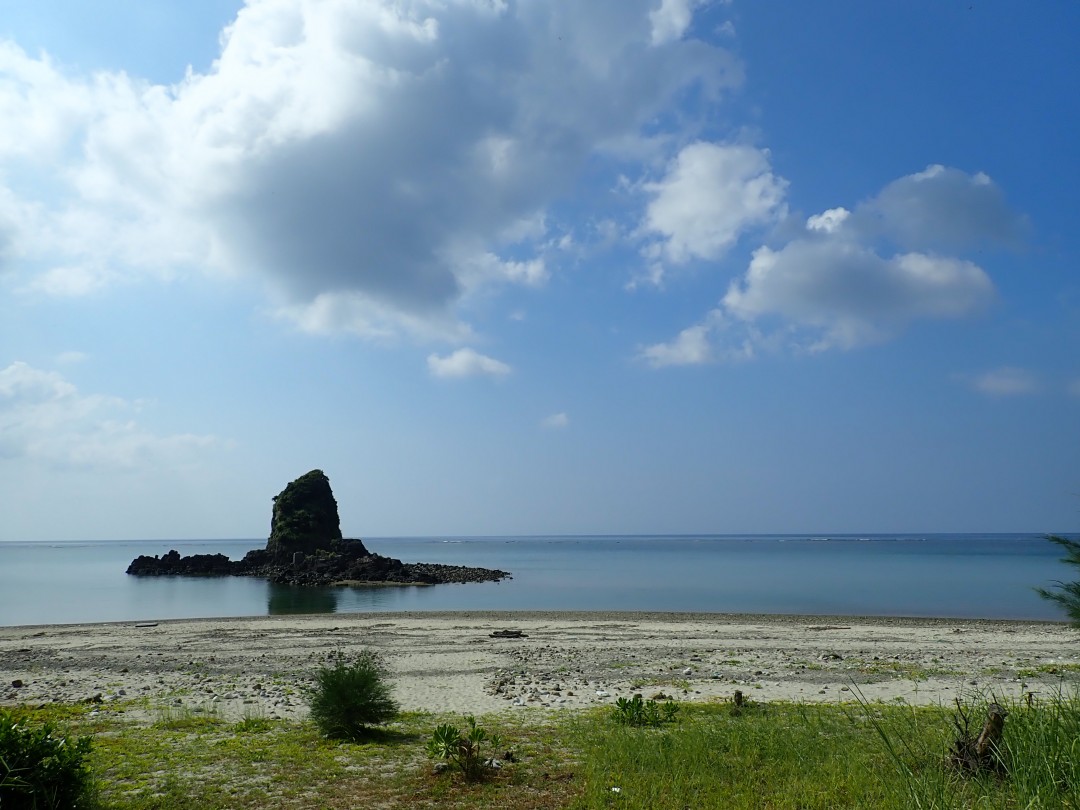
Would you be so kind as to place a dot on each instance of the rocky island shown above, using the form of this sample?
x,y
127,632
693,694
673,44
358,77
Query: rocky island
x,y
306,548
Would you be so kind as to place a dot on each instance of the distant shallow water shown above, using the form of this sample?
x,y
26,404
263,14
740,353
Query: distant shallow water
x,y
958,576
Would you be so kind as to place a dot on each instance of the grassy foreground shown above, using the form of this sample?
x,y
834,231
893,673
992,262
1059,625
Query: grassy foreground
x,y
774,755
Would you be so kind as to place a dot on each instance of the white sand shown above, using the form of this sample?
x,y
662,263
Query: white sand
x,y
443,662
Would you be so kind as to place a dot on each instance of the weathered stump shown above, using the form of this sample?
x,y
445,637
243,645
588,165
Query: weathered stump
x,y
982,753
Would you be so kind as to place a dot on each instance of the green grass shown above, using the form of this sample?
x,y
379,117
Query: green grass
x,y
907,670
656,681
822,756
1049,669
764,755
183,718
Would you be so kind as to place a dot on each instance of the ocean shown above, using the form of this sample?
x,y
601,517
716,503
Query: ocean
x,y
988,576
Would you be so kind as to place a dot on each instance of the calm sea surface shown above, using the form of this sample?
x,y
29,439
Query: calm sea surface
x,y
962,576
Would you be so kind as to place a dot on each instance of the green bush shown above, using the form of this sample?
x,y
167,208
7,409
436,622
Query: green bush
x,y
41,768
350,697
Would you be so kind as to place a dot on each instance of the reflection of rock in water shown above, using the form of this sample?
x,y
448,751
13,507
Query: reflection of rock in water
x,y
287,599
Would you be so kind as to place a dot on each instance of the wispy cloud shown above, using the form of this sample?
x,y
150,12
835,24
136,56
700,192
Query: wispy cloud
x,y
556,421
45,418
690,347
1004,382
71,358
466,363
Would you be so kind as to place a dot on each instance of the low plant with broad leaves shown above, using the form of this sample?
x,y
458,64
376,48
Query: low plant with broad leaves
x,y
469,750
640,712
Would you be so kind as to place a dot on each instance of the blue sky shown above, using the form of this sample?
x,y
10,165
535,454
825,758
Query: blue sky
x,y
626,266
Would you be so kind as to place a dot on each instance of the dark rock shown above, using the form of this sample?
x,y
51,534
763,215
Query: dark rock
x,y
306,548
199,565
305,518
17,683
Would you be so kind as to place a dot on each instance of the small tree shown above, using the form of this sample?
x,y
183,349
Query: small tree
x,y
1066,594
349,697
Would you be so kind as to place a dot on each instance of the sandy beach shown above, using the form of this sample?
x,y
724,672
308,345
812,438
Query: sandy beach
x,y
442,662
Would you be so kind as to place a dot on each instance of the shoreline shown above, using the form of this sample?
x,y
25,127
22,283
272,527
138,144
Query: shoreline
x,y
449,661
572,615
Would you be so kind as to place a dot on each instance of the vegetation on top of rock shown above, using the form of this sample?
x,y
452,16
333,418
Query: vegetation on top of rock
x,y
305,518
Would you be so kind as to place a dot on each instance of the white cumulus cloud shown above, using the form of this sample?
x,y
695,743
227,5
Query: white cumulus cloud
x,y
847,295
711,194
466,363
372,162
853,277
941,208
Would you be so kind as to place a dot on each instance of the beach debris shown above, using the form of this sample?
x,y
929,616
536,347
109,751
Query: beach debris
x,y
831,656
141,625
508,634
827,627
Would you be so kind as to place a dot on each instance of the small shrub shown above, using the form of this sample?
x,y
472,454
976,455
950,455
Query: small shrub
x,y
40,767
640,712
349,697
466,751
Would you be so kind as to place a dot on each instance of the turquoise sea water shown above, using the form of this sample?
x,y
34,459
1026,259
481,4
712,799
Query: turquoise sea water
x,y
962,576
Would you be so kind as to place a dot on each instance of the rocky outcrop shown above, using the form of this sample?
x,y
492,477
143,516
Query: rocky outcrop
x,y
305,519
306,548
172,564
